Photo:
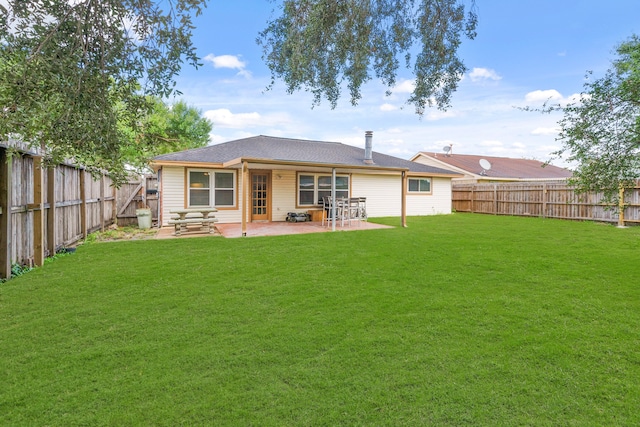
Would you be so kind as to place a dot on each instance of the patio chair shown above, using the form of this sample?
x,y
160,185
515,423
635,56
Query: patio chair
x,y
362,208
326,209
351,209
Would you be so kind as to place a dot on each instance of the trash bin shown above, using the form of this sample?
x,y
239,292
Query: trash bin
x,y
144,218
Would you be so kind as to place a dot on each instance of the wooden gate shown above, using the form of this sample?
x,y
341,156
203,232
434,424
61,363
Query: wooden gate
x,y
137,194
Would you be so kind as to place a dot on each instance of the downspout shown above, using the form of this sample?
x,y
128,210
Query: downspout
x,y
403,213
333,199
245,193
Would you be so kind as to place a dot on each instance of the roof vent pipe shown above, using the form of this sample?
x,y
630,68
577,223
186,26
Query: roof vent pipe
x,y
368,147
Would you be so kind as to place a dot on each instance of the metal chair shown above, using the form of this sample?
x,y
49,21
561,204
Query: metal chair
x,y
352,209
362,208
326,210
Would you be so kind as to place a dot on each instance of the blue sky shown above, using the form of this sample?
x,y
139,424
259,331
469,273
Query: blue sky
x,y
525,52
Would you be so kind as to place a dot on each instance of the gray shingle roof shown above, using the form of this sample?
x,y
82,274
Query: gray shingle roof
x,y
295,150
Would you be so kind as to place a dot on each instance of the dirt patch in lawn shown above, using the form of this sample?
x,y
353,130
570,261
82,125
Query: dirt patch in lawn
x,y
115,233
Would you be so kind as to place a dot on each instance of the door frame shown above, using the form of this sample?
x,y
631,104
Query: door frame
x,y
269,198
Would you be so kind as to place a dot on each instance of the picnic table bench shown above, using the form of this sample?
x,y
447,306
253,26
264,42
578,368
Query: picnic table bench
x,y
192,216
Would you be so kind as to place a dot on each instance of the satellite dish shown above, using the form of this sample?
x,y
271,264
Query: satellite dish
x,y
484,163
446,148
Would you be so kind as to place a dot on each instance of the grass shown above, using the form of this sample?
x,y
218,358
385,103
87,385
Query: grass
x,y
457,320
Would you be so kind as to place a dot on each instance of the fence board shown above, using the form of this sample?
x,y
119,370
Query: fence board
x,y
72,204
543,199
60,205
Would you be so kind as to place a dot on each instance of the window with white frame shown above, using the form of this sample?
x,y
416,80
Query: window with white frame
x,y
313,187
211,188
419,185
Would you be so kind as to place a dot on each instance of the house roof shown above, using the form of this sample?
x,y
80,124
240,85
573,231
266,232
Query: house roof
x,y
501,167
288,150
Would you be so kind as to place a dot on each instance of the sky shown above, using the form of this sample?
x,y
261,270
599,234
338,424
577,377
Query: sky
x,y
525,53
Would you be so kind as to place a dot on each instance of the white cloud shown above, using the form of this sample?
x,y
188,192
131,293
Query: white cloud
x,y
405,86
224,118
388,107
225,61
483,74
491,144
545,131
543,96
434,115
551,96
228,61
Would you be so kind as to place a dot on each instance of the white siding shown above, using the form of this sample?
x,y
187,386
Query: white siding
x,y
439,202
383,193
174,197
172,191
283,194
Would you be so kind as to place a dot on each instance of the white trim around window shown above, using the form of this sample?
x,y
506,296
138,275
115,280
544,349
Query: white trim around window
x,y
312,187
211,188
419,185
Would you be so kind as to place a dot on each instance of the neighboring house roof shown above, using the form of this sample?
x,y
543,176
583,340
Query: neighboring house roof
x,y
502,168
286,150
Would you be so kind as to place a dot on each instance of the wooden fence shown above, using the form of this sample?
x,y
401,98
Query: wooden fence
x,y
43,210
544,199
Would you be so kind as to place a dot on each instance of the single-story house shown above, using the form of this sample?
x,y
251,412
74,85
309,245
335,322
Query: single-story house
x,y
262,178
476,169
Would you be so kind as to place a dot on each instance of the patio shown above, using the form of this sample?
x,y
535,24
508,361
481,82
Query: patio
x,y
255,229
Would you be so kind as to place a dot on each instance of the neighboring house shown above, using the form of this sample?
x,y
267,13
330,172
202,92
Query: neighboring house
x,y
292,175
492,169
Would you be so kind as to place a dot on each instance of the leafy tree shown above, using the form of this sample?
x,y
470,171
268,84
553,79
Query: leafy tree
x,y
166,129
76,76
319,44
71,72
601,131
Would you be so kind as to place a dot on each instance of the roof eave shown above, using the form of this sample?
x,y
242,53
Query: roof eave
x,y
268,161
157,164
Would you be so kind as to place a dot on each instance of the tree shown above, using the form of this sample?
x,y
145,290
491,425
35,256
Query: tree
x,y
601,131
71,72
166,129
319,44
75,75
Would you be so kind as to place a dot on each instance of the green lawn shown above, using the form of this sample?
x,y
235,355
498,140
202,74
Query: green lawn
x,y
456,320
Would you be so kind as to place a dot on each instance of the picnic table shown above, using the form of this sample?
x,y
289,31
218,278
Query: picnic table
x,y
192,216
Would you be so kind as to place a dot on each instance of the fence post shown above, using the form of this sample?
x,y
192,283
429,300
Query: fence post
x,y
114,204
473,187
102,202
5,214
52,220
38,211
544,200
83,203
621,207
495,199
